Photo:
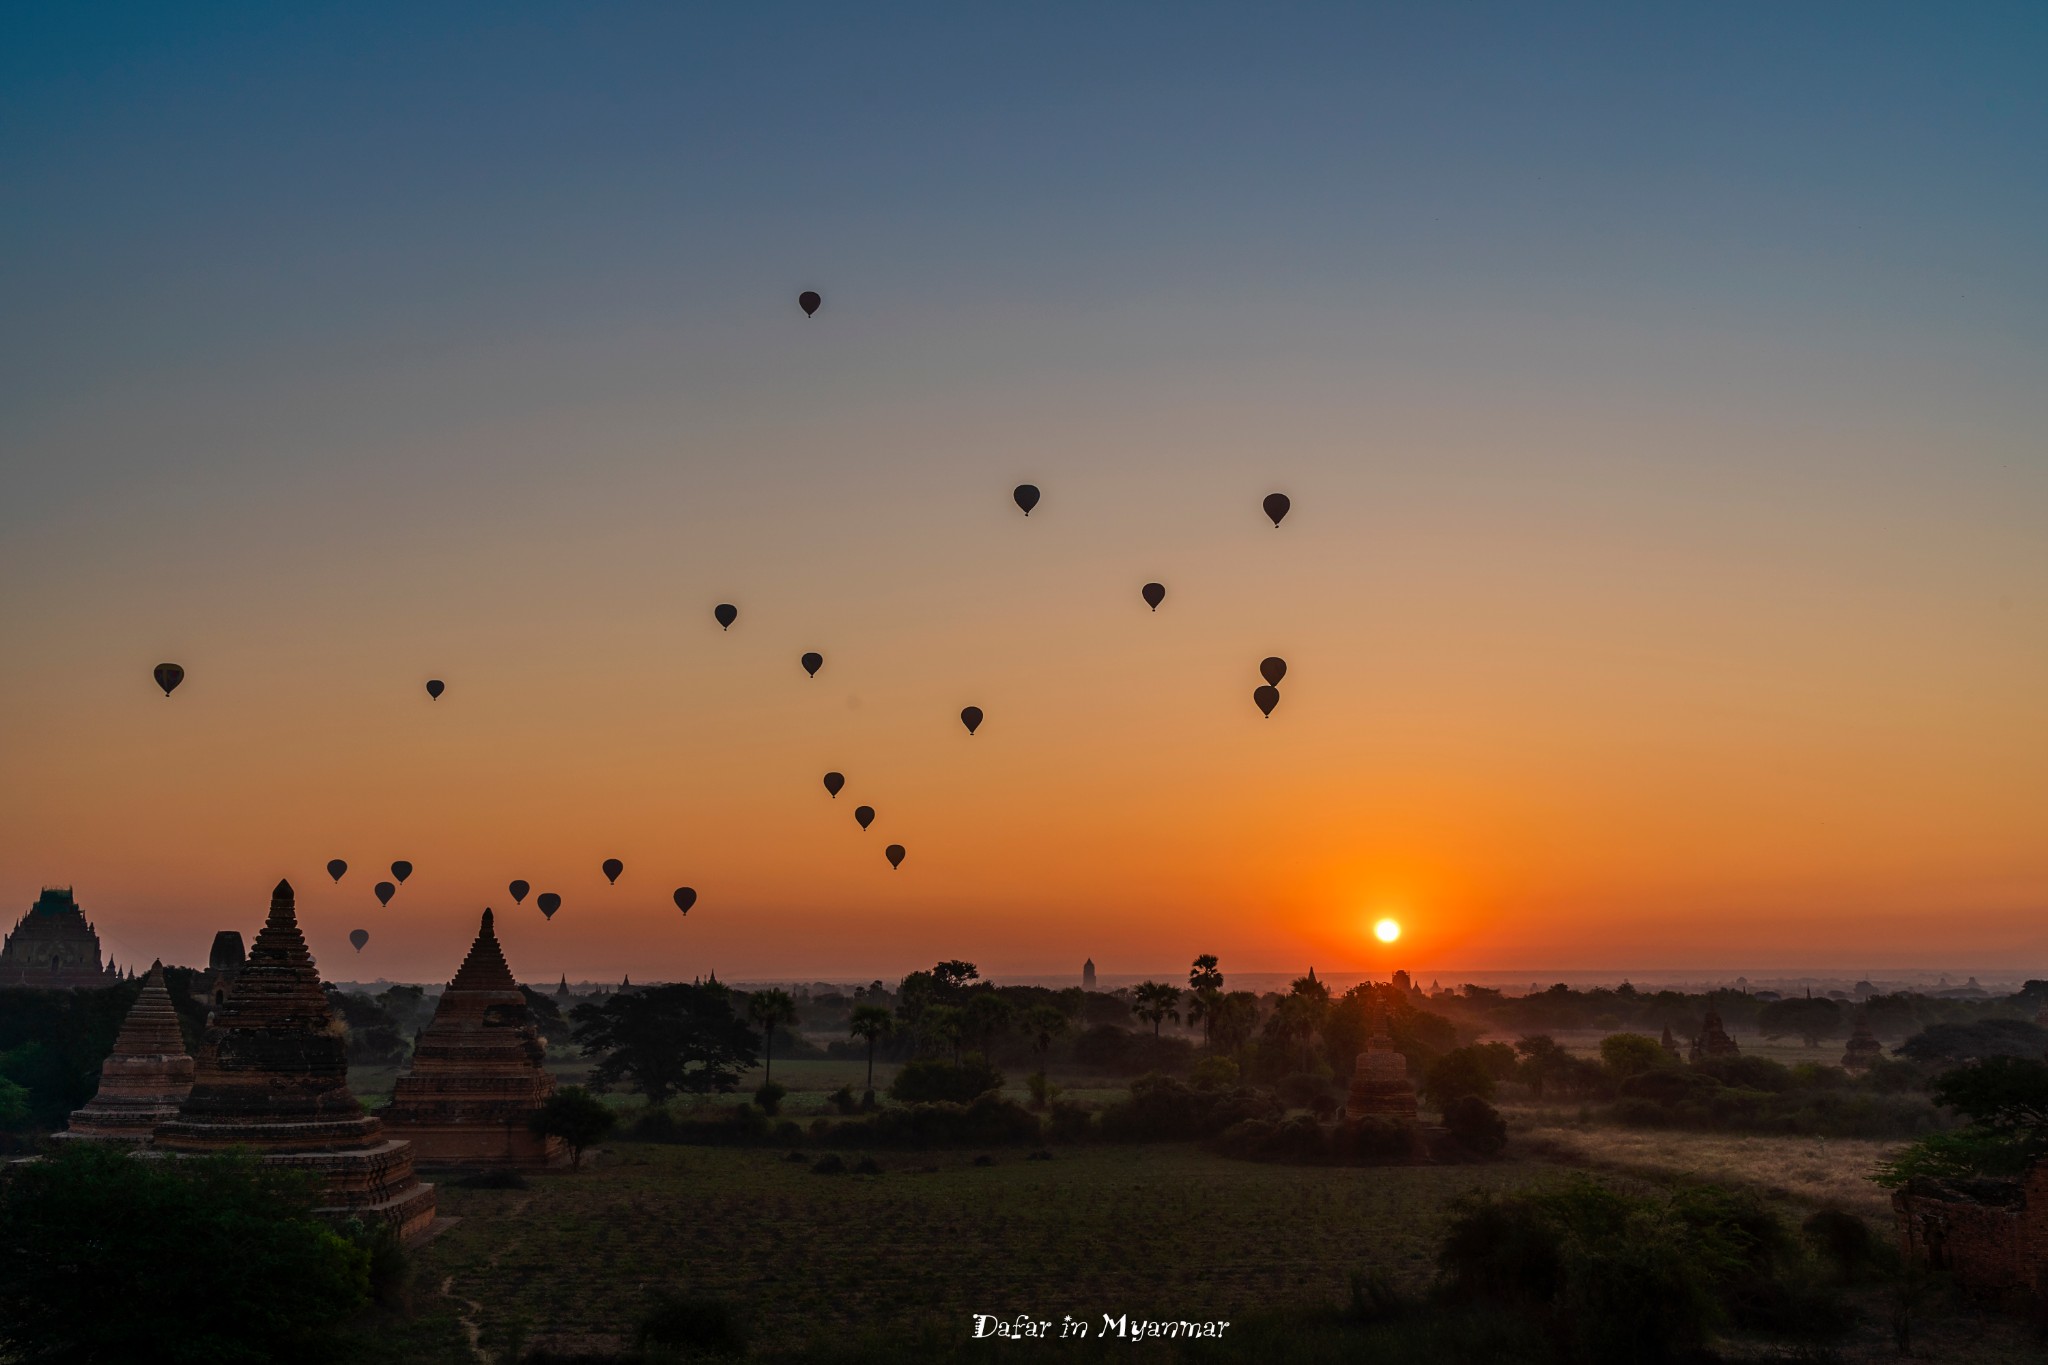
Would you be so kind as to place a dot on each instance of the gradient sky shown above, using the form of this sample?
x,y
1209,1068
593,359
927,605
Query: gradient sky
x,y
1662,390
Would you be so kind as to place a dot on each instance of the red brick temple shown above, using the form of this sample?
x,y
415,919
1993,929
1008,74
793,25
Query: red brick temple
x,y
272,1076
147,1076
53,947
476,1075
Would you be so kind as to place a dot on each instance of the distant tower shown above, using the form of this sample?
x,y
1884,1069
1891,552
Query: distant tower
x,y
562,991
1403,983
1088,975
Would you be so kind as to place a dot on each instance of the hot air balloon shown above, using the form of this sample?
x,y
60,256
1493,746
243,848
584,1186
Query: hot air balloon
x,y
435,687
894,853
971,718
335,868
1273,668
519,890
1276,505
359,937
548,902
864,816
1267,698
812,663
833,782
809,301
686,896
1026,495
725,613
1154,594
385,891
612,868
168,676
401,870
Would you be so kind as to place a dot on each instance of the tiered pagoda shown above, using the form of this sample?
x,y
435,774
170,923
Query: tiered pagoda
x,y
476,1075
147,1076
1380,1087
1864,1049
53,947
1713,1040
272,1076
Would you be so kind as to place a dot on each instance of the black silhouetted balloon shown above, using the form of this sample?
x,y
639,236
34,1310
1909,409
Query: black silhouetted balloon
x,y
168,676
359,937
1267,698
726,613
864,816
1273,668
548,902
1026,496
519,890
1276,505
809,301
1154,594
435,687
686,896
894,853
385,891
335,868
612,868
971,718
812,663
833,782
401,870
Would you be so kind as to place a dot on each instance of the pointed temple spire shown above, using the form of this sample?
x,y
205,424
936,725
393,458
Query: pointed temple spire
x,y
1380,1087
146,1077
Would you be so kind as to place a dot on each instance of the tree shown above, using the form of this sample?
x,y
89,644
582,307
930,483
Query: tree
x,y
1976,1040
872,1023
1801,1017
944,1025
1631,1054
1235,1020
665,1040
1042,1024
952,976
214,1259
1205,995
1544,1061
1460,1072
1156,1001
985,1015
577,1117
770,1010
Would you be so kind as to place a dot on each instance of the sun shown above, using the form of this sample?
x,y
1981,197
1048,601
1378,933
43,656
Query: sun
x,y
1387,930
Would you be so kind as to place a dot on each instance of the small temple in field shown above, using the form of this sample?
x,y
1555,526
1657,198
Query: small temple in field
x,y
1713,1040
1380,1087
1864,1049
476,1078
54,947
146,1078
272,1077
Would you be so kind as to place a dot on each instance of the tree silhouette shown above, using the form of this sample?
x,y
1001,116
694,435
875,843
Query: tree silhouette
x,y
577,1117
770,1009
665,1039
1156,1001
873,1023
985,1015
1205,995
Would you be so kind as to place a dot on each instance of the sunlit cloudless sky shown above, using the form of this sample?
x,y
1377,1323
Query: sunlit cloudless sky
x,y
1662,391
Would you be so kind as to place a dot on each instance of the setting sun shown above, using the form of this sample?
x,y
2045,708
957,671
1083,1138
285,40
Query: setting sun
x,y
1387,930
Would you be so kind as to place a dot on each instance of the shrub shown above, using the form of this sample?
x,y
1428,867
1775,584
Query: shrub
x,y
1070,1122
770,1096
1636,1112
708,1326
1842,1239
1477,1125
1214,1073
926,1081
1630,1054
1302,1089
577,1117
1106,1047
989,1119
829,1164
1461,1071
1042,1090
1162,1109
842,1100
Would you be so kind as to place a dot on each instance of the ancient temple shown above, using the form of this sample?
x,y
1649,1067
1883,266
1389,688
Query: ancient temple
x,y
1380,1087
1088,975
476,1075
146,1077
53,947
1668,1042
1864,1049
272,1076
1713,1040
223,963
562,991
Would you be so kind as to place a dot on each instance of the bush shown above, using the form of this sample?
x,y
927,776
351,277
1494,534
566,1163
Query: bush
x,y
989,1119
208,1259
1303,1090
1106,1047
1635,1112
770,1096
577,1117
1214,1073
708,1326
1461,1071
1162,1109
925,1081
1842,1239
1043,1091
842,1100
829,1164
1630,1054
1070,1122
1477,1125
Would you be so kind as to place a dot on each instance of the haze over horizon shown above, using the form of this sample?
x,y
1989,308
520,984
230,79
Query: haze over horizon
x,y
1663,399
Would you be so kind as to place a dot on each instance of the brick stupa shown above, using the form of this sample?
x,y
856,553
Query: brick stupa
x,y
145,1078
1380,1087
1864,1049
476,1075
1713,1040
272,1077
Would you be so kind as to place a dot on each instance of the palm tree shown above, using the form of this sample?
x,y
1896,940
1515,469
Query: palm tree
x,y
944,1024
873,1023
1156,1000
1205,995
770,1010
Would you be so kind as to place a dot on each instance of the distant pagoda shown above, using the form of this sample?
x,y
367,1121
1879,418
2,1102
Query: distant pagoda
x,y
476,1077
1380,1087
1713,1040
147,1076
1864,1049
272,1076
53,947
